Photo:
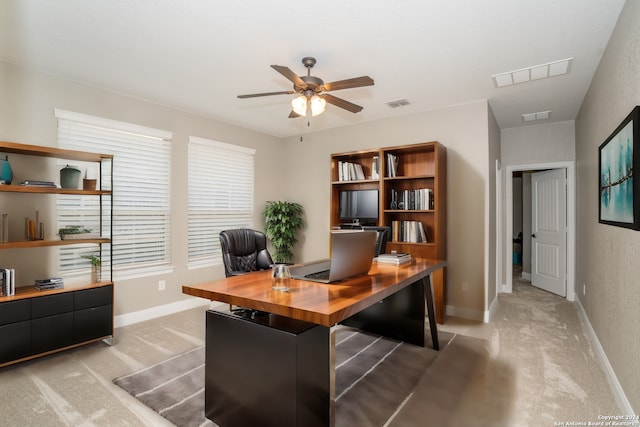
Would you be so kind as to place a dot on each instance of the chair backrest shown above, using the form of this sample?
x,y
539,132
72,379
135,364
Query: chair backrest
x,y
384,233
244,250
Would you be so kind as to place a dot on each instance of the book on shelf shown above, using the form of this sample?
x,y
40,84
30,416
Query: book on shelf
x,y
408,231
51,283
37,183
350,171
7,282
395,259
392,165
418,199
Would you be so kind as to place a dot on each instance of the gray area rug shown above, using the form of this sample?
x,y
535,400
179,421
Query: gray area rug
x,y
375,378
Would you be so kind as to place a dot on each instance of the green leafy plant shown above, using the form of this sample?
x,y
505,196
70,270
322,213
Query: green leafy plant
x,y
93,259
282,222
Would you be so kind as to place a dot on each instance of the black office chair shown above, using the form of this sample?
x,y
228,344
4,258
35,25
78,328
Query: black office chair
x,y
244,250
383,235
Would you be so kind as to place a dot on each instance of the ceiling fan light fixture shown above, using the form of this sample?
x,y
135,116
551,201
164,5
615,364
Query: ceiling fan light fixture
x,y
299,105
318,105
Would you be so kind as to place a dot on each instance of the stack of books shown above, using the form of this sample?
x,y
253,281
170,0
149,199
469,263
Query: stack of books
x,y
395,259
37,183
51,283
7,282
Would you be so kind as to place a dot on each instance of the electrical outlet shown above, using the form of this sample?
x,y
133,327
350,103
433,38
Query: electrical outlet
x,y
161,285
584,289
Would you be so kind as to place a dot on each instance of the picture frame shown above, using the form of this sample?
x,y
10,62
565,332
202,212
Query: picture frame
x,y
618,169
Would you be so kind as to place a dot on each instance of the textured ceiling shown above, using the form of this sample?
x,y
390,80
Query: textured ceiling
x,y
198,55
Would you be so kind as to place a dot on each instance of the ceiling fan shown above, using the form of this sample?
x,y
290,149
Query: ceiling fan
x,y
312,90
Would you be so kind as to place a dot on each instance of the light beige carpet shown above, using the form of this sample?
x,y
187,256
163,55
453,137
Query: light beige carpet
x,y
375,377
541,370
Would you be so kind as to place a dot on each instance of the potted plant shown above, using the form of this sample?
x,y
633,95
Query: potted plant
x,y
282,222
95,261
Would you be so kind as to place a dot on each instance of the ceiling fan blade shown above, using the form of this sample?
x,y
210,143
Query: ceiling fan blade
x,y
349,83
286,71
254,95
339,102
293,115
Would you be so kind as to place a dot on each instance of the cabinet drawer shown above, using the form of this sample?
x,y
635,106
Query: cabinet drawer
x,y
93,297
51,333
15,311
92,323
16,341
51,304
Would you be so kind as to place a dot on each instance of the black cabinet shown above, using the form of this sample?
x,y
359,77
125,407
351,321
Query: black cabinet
x,y
92,323
51,332
15,341
51,304
269,371
34,326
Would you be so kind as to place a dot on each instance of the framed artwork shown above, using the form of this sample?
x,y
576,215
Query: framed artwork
x,y
618,168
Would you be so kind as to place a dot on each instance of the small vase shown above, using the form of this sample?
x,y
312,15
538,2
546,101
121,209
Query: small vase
x,y
95,273
6,174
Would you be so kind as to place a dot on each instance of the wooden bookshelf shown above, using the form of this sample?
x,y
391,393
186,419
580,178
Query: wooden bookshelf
x,y
36,322
417,167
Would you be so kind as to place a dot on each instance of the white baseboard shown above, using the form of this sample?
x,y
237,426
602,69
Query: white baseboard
x,y
618,392
488,314
526,276
159,311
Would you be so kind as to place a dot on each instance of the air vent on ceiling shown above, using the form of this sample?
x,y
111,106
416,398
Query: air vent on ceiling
x,y
537,72
540,115
398,103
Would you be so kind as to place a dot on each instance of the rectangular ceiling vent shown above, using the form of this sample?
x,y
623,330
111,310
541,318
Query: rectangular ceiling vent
x,y
398,103
537,72
540,115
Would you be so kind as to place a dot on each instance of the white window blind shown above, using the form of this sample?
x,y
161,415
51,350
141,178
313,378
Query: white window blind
x,y
220,195
141,189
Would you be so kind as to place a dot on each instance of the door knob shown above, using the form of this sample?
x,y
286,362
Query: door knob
x,y
533,235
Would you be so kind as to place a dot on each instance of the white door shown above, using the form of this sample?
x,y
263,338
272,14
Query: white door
x,y
549,231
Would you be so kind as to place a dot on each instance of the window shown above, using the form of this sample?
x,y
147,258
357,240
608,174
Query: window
x,y
220,195
141,190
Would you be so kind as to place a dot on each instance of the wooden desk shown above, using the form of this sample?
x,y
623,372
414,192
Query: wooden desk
x,y
314,302
311,302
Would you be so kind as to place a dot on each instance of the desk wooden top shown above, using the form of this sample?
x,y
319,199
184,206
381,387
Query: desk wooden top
x,y
323,304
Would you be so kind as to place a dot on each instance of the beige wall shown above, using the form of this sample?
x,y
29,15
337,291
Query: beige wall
x,y
531,145
27,102
464,130
607,256
26,116
541,143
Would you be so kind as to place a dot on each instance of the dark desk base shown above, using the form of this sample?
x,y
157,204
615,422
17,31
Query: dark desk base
x,y
275,371
268,371
401,316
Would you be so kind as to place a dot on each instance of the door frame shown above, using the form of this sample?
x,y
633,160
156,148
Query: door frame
x,y
571,221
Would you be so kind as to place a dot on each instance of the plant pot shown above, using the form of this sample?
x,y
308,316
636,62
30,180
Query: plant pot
x,y
70,177
89,184
96,273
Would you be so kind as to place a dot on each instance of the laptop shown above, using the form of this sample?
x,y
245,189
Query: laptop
x,y
351,254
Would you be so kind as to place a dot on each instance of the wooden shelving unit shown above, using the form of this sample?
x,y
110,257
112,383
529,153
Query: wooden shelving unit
x,y
417,167
34,323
